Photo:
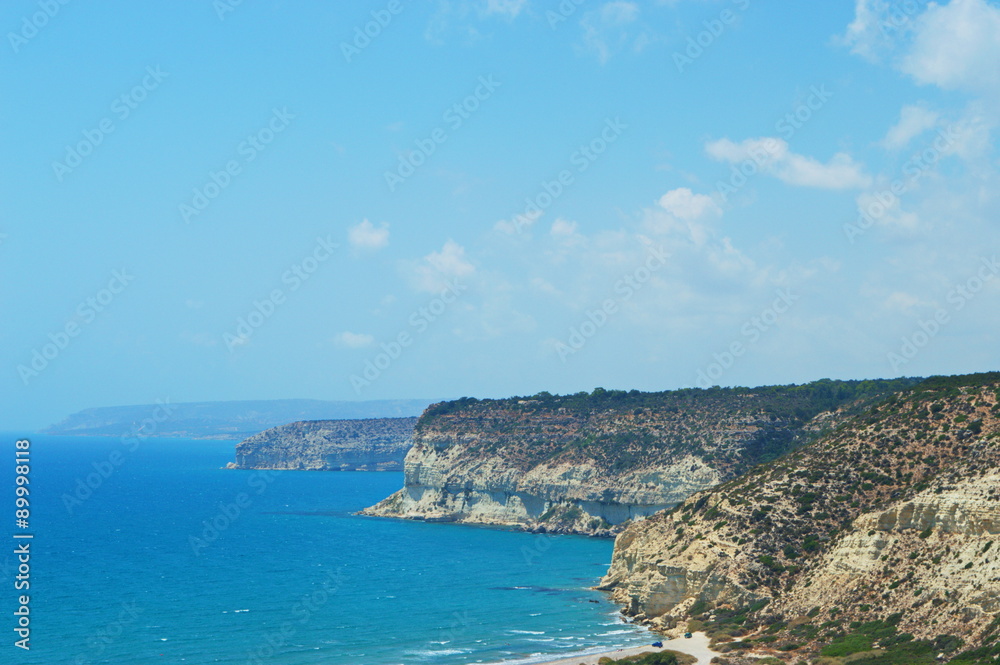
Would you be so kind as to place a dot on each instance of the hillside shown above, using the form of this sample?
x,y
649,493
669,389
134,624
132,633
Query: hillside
x,y
377,444
591,463
223,420
879,535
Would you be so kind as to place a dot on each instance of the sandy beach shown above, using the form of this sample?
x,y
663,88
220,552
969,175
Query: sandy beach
x,y
696,645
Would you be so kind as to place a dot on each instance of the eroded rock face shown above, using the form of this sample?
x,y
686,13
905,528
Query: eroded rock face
x,y
568,498
378,444
937,543
897,512
589,464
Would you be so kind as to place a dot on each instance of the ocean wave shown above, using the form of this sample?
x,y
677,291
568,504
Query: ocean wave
x,y
435,653
536,658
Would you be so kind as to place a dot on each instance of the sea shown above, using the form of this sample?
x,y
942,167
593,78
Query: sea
x,y
149,551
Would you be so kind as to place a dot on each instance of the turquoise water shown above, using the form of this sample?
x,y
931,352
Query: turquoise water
x,y
136,572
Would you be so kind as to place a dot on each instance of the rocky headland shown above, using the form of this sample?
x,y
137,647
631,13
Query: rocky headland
x,y
875,543
375,444
594,463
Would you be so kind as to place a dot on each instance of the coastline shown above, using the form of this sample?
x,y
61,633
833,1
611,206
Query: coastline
x,y
697,646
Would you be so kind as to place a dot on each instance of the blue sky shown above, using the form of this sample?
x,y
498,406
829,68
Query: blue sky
x,y
220,200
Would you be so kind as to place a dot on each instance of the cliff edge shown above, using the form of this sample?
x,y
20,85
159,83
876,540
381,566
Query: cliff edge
x,y
875,541
593,463
376,444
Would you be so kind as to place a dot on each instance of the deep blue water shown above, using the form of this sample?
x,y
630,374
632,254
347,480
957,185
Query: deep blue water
x,y
287,575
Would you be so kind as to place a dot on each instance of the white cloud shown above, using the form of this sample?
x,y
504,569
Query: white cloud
x,y
563,229
519,223
956,46
366,236
606,29
772,156
685,204
890,213
868,35
540,285
913,121
507,8
354,340
682,214
902,302
438,268
462,16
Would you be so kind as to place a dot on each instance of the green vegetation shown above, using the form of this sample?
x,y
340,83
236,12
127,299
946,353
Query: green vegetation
x,y
661,658
621,430
782,515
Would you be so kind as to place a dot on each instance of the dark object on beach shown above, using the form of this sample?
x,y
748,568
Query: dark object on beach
x,y
658,645
688,635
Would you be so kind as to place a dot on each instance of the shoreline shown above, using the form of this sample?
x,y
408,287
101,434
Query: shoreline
x,y
696,646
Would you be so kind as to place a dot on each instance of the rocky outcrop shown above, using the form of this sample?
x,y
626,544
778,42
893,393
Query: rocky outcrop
x,y
559,498
377,444
594,463
893,518
931,556
223,420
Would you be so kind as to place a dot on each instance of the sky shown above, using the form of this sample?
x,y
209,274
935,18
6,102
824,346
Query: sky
x,y
225,200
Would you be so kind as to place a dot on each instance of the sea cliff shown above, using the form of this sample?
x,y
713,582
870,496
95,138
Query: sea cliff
x,y
376,444
593,463
877,536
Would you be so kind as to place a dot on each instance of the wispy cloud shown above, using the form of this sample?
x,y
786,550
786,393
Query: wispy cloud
x,y
954,45
366,235
913,121
437,269
611,28
774,157
465,17
353,340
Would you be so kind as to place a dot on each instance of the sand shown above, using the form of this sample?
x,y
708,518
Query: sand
x,y
696,645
